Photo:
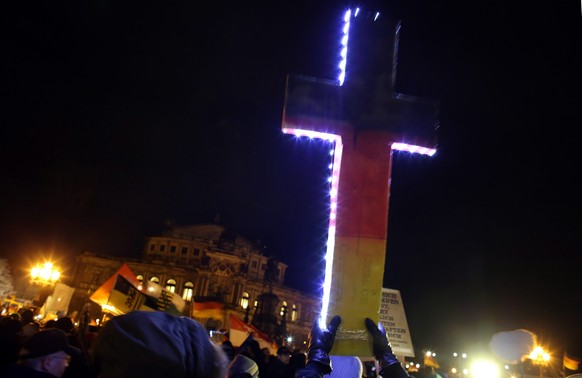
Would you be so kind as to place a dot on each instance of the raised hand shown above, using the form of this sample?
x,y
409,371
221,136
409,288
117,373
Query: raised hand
x,y
320,343
380,345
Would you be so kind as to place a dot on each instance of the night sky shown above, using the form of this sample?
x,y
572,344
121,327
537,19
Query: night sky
x,y
118,118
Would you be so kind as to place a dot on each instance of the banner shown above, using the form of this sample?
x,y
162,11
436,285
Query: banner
x,y
58,302
393,319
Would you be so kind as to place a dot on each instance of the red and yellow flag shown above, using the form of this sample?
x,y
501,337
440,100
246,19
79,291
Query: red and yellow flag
x,y
240,332
429,360
207,308
571,363
101,295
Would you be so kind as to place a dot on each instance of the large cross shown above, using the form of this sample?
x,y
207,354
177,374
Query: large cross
x,y
365,120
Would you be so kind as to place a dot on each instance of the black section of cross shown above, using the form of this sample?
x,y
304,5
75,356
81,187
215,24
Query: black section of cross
x,y
366,100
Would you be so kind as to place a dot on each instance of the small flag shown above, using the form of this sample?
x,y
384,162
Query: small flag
x,y
165,300
571,363
125,297
101,295
241,333
429,360
208,307
121,294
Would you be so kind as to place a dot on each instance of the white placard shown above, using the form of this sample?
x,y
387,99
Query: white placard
x,y
393,319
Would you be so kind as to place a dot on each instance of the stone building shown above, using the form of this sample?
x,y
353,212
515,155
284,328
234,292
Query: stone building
x,y
203,261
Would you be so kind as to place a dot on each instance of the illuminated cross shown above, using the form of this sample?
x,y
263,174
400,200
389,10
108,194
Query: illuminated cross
x,y
365,120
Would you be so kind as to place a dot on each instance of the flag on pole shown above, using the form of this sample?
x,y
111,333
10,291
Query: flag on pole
x,y
101,295
571,363
240,332
207,307
165,300
429,360
124,298
121,294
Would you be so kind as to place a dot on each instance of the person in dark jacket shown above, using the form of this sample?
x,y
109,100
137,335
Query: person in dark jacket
x,y
45,354
321,341
280,367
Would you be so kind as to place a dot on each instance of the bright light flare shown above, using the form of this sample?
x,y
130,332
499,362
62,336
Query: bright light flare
x,y
46,274
539,355
484,369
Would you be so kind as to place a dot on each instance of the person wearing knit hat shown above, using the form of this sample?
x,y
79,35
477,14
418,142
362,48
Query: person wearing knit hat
x,y
346,367
156,344
243,367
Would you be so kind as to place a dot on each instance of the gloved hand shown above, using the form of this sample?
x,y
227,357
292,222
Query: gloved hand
x,y
381,348
320,343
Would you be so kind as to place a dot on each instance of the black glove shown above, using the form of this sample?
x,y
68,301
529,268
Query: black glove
x,y
381,348
320,343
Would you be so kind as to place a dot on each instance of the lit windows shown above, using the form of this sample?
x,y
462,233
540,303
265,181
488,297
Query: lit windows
x,y
244,301
171,285
188,291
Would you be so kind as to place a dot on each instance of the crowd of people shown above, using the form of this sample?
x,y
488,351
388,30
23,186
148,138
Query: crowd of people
x,y
158,344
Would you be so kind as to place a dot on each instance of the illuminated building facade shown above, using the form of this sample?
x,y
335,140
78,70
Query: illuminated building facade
x,y
204,260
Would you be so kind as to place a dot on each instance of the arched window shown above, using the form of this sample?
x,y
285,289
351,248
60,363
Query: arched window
x,y
244,301
140,279
155,279
171,285
294,313
188,291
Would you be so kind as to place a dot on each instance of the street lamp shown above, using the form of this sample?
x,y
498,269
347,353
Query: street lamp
x,y
539,357
45,276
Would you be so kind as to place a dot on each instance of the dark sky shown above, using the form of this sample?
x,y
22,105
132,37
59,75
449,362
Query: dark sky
x,y
117,117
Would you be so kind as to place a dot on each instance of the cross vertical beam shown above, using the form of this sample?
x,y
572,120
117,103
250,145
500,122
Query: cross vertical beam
x,y
360,113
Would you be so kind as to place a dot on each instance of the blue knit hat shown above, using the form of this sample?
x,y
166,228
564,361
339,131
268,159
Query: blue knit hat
x,y
156,344
345,367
